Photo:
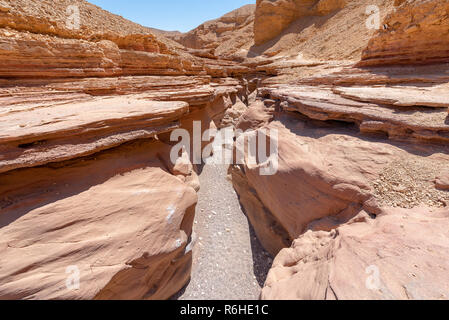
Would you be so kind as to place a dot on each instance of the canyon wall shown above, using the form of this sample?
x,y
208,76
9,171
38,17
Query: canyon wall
x,y
88,189
358,206
302,30
416,33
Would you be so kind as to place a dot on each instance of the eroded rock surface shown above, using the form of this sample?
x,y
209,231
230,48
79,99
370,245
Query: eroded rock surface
x,y
414,34
362,158
119,218
220,37
398,255
88,188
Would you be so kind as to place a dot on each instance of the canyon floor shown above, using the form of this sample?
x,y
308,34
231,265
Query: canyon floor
x,y
229,262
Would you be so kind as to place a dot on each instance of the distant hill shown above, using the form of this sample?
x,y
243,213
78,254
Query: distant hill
x,y
225,35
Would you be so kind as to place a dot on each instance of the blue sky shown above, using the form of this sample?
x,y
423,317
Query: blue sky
x,y
182,15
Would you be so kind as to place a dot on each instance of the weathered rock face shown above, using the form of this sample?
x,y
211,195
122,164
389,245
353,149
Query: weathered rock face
x,y
81,129
362,158
415,33
105,201
373,110
50,17
334,192
299,31
28,55
38,47
398,255
325,174
88,188
120,219
273,17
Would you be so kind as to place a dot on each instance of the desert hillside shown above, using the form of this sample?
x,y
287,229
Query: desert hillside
x,y
95,19
327,178
225,35
320,30
313,30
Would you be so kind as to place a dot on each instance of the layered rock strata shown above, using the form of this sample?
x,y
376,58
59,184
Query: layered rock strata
x,y
77,165
359,197
416,33
91,205
396,256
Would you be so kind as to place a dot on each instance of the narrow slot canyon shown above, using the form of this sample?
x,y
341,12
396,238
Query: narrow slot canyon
x,y
102,129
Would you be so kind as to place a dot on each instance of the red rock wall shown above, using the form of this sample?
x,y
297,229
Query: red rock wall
x,y
417,33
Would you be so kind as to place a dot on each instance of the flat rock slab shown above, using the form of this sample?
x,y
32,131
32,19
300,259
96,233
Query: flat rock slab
x,y
66,148
321,103
437,97
64,129
96,115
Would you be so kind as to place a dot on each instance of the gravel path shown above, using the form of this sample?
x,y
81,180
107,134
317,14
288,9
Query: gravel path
x,y
228,261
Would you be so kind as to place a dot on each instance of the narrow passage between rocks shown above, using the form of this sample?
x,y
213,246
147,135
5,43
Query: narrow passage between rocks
x,y
228,260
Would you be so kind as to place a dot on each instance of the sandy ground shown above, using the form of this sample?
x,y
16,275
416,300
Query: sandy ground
x,y
228,261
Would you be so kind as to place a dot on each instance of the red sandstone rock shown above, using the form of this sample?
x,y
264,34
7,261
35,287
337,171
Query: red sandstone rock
x,y
221,37
326,193
58,133
414,34
436,96
119,218
321,103
82,161
442,181
401,254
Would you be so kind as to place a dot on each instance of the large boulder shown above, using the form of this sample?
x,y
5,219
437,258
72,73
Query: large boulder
x,y
401,254
116,225
369,216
